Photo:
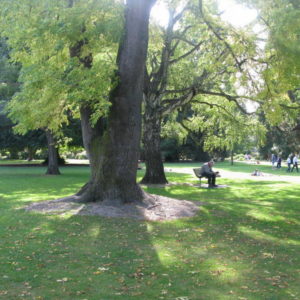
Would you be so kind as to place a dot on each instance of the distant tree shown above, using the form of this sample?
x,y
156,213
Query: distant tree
x,y
217,127
10,140
282,139
196,54
55,82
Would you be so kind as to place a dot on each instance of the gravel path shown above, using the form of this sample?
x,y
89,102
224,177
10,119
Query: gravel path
x,y
241,175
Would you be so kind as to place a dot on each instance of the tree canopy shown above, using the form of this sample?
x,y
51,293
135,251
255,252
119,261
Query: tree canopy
x,y
41,34
200,75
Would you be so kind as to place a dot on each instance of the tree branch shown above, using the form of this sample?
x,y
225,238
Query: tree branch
x,y
228,97
183,39
222,108
179,90
210,26
171,104
192,134
196,47
178,40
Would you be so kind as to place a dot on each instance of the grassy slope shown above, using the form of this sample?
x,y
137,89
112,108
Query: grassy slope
x,y
244,244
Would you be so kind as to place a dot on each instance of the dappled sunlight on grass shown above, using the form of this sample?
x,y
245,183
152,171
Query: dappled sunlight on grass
x,y
93,232
263,203
265,215
223,271
165,256
22,185
256,234
243,243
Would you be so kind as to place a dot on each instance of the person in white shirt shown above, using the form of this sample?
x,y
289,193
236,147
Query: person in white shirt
x,y
295,163
289,162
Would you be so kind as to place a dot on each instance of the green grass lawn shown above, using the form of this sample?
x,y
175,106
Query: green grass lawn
x,y
19,161
243,244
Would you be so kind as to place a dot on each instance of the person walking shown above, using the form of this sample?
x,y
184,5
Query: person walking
x,y
295,163
289,162
274,160
279,162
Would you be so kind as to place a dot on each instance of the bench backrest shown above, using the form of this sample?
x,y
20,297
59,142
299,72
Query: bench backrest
x,y
197,172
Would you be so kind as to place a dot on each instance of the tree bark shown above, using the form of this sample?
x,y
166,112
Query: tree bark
x,y
155,86
31,152
151,139
52,168
91,135
114,156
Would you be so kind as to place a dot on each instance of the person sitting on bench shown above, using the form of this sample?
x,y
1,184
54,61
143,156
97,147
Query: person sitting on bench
x,y
206,171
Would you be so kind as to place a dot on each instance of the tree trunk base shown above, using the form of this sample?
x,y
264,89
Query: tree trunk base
x,y
53,172
155,180
93,193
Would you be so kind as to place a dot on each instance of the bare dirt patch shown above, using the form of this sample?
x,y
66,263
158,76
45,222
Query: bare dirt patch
x,y
160,209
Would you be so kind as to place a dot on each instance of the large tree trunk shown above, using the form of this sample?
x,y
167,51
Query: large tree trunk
x,y
151,139
52,168
91,135
114,156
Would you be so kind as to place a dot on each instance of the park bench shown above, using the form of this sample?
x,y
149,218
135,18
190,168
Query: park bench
x,y
197,173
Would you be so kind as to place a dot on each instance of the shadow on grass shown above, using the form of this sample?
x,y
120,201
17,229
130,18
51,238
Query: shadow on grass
x,y
71,257
247,234
243,244
80,257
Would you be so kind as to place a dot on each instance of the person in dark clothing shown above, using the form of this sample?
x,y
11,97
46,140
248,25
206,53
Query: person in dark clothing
x,y
279,162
